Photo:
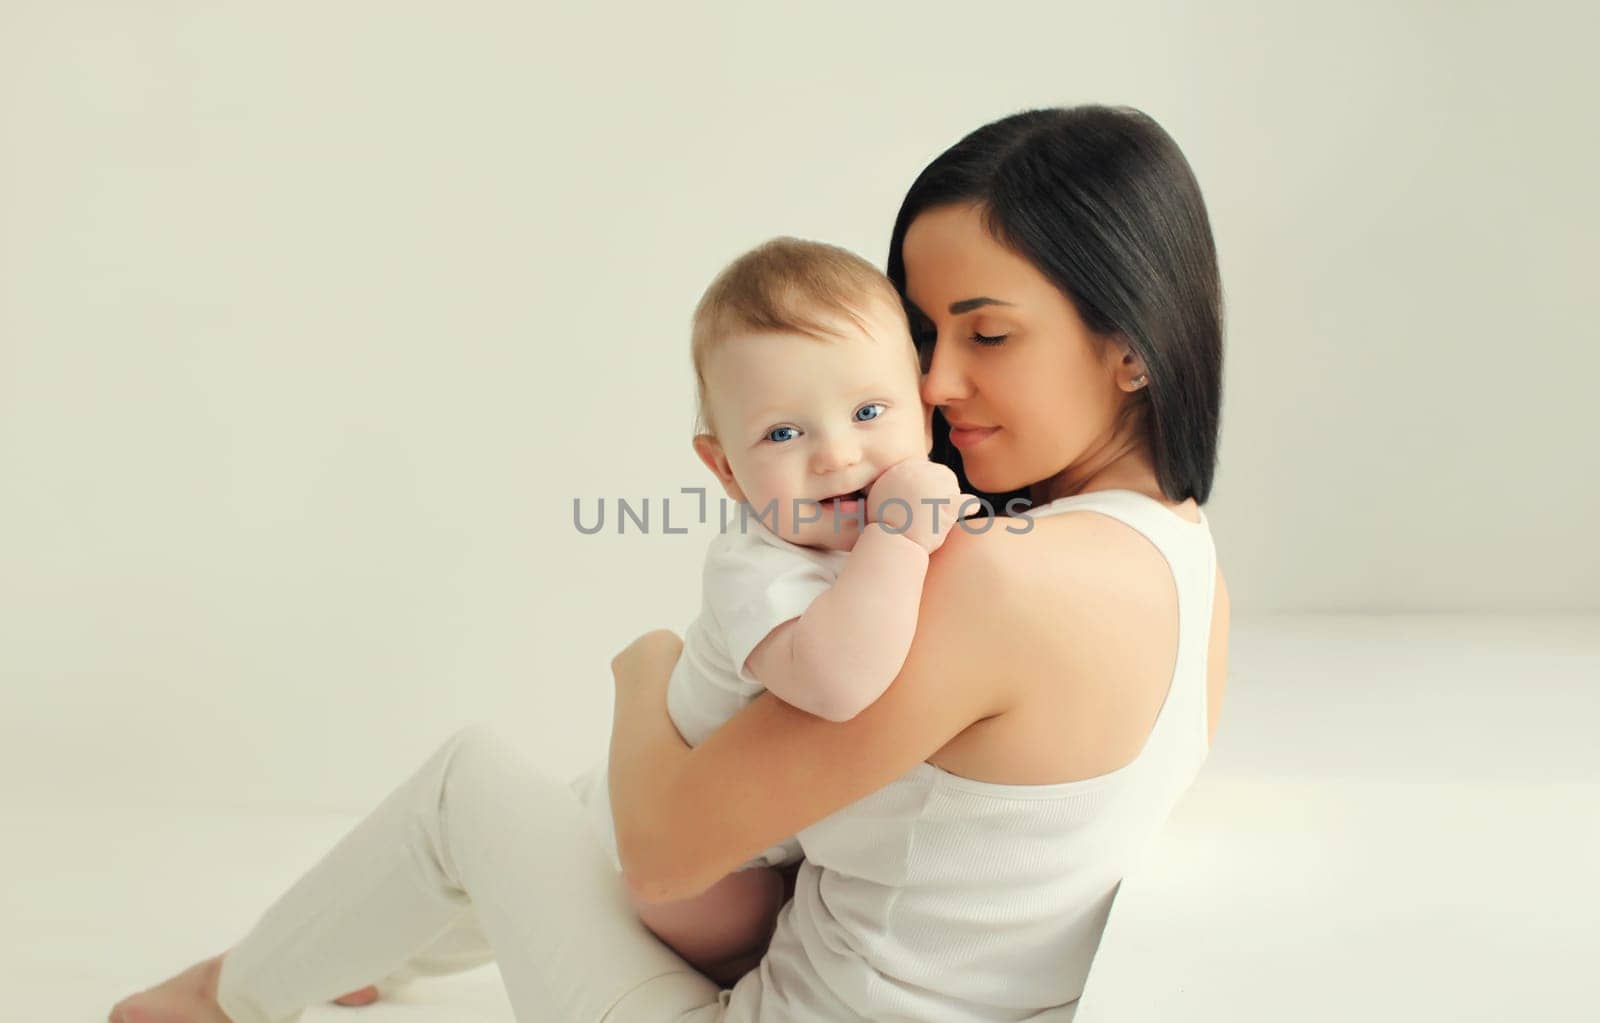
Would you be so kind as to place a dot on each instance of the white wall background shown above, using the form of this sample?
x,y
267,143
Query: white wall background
x,y
315,319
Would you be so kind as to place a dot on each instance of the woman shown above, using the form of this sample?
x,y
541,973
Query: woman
x,y
965,835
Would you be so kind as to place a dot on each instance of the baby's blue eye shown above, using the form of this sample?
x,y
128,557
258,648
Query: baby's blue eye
x,y
876,405
778,429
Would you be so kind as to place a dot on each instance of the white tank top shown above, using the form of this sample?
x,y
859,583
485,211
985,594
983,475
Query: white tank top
x,y
944,899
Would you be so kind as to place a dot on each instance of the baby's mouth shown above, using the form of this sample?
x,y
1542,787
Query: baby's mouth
x,y
849,495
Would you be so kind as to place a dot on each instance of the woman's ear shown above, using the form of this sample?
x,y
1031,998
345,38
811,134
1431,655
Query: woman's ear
x,y
710,451
1129,370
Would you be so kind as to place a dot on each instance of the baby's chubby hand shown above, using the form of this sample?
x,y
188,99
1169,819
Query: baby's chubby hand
x,y
913,481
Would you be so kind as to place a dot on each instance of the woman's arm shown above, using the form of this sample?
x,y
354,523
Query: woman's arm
x,y
685,817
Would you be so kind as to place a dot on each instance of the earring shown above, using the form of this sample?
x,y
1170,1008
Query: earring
x,y
1139,381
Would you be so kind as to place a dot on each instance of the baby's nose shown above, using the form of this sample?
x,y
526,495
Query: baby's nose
x,y
835,454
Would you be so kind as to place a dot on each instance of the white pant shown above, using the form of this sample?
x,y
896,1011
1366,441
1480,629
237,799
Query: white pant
x,y
477,857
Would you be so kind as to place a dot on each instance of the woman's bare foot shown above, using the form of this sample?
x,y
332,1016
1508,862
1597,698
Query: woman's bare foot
x,y
190,997
366,996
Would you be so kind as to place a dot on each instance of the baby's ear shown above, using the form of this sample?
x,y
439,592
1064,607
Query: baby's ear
x,y
710,451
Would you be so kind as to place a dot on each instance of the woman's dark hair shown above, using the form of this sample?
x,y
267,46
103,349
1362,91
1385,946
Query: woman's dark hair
x,y
1102,202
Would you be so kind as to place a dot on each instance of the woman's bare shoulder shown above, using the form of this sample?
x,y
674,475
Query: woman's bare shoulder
x,y
1053,604
1068,633
1022,591
1080,554
970,603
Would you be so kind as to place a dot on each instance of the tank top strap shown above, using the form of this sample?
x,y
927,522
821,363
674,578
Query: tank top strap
x,y
1191,555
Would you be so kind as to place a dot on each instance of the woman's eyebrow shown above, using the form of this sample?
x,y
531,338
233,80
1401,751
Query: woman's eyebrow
x,y
966,305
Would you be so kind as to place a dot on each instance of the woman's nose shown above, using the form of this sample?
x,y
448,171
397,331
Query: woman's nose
x,y
944,380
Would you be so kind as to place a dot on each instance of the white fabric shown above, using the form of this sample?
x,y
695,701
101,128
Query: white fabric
x,y
752,582
936,899
478,856
943,899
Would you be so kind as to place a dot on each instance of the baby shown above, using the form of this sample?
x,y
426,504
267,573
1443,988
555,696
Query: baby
x,y
811,419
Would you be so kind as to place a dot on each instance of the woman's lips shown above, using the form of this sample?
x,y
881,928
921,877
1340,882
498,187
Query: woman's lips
x,y
970,436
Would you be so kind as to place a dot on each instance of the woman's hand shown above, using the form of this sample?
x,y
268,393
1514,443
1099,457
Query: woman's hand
x,y
640,662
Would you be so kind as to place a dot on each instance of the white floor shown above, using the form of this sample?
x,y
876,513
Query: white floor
x,y
1399,822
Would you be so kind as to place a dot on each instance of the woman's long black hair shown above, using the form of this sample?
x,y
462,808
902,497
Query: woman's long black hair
x,y
1103,203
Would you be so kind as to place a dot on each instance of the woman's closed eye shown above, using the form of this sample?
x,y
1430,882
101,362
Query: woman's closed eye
x,y
926,337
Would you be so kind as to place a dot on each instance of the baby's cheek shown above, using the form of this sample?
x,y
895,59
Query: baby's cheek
x,y
777,512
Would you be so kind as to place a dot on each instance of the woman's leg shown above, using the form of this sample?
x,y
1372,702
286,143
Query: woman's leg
x,y
476,827
464,945
461,946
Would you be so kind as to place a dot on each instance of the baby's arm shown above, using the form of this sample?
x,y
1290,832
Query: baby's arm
x,y
841,654
838,657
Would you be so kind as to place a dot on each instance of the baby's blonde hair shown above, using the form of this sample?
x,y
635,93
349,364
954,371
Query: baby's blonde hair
x,y
786,285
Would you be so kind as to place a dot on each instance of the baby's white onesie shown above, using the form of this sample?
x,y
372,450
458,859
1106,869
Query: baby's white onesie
x,y
753,582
